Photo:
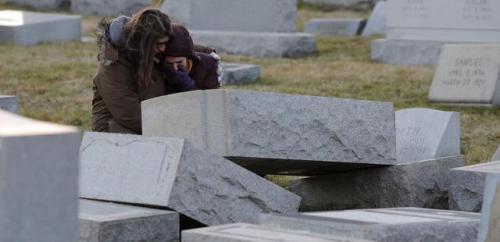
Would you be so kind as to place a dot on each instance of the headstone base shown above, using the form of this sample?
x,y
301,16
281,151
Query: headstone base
x,y
259,44
406,52
335,27
235,73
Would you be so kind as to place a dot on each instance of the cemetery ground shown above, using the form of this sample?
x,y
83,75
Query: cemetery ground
x,y
54,81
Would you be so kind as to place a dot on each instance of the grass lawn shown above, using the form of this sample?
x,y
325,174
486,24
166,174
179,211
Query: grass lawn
x,y
53,81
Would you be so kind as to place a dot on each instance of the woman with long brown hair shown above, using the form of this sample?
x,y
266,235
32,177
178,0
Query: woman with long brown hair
x,y
129,69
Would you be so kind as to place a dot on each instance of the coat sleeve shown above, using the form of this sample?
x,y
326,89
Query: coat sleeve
x,y
119,92
211,77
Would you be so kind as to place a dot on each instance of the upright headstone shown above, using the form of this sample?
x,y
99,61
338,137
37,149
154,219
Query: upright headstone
x,y
171,172
376,22
496,156
467,74
272,133
42,4
9,103
412,184
29,28
423,134
489,228
264,28
108,7
39,180
384,225
467,185
241,232
104,221
418,29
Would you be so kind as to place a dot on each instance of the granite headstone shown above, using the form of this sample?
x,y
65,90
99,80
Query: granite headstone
x,y
489,228
108,7
376,22
235,73
9,103
496,156
336,27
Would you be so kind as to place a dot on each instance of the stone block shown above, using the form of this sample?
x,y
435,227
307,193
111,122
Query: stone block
x,y
235,15
241,232
171,172
336,27
39,180
42,4
489,227
259,44
104,221
376,22
413,184
496,156
29,28
108,7
273,133
9,103
423,134
406,52
467,74
464,21
384,225
341,4
235,73
467,185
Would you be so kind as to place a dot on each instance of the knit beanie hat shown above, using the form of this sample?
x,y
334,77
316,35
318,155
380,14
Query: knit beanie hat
x,y
182,44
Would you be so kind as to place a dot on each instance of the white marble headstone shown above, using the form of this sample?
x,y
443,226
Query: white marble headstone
x,y
467,74
444,20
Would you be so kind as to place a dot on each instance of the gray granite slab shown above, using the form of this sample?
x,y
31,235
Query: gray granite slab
x,y
272,133
108,7
384,225
467,74
467,185
29,28
259,44
376,22
489,228
335,27
39,180
415,184
464,21
9,103
235,15
406,52
105,221
236,73
423,134
496,156
41,4
171,172
241,232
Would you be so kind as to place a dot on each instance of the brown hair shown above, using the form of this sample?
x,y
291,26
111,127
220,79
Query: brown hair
x,y
142,32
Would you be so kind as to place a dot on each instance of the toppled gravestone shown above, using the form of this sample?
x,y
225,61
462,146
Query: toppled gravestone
x,y
108,7
416,30
272,133
241,232
384,225
413,184
467,74
104,221
489,228
467,185
376,22
335,27
171,172
235,73
30,28
423,134
42,4
262,28
9,103
39,180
